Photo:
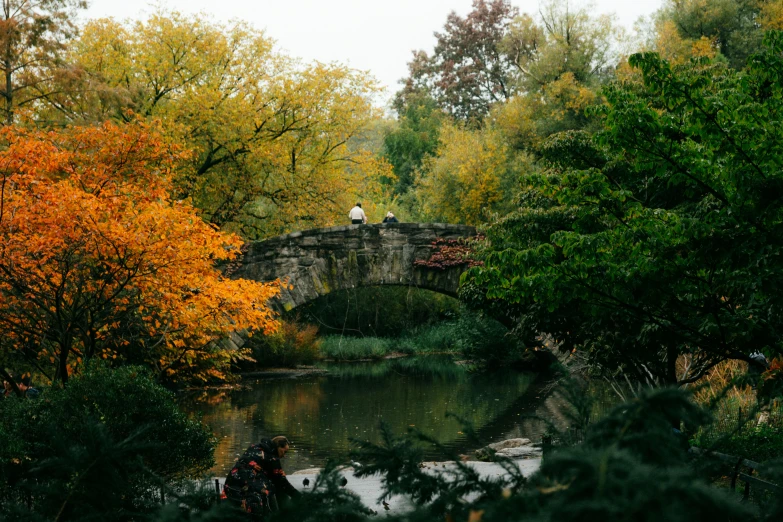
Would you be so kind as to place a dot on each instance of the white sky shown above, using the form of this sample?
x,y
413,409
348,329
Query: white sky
x,y
372,35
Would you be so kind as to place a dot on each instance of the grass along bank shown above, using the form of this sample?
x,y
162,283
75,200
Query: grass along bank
x,y
470,336
437,339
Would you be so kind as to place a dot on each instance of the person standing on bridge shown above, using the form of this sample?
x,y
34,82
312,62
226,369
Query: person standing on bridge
x,y
357,215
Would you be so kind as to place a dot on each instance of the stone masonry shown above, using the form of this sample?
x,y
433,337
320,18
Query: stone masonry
x,y
316,262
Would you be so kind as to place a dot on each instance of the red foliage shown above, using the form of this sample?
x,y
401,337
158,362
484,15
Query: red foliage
x,y
449,253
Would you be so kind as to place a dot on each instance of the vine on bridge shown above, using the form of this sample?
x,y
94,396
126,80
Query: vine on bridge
x,y
448,253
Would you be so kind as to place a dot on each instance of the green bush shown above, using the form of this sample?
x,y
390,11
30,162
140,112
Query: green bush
x,y
99,447
487,342
759,443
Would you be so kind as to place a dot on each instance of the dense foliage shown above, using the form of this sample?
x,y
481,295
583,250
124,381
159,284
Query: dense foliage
x,y
102,447
507,81
99,262
732,28
660,236
274,141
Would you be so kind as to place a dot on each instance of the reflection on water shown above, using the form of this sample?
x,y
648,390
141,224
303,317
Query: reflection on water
x,y
320,412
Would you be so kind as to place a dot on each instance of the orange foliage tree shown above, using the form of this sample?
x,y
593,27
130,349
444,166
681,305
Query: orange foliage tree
x,y
96,261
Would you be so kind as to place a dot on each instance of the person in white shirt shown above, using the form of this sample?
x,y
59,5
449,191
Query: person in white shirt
x,y
357,215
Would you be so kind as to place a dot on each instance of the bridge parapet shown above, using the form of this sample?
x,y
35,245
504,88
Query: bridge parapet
x,y
319,261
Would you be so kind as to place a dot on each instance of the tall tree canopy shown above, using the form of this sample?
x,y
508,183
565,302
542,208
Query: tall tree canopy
x,y
658,241
468,70
33,34
413,139
733,28
272,137
564,40
96,260
556,63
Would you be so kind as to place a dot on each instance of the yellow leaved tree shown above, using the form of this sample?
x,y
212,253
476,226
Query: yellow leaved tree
x,y
272,137
472,178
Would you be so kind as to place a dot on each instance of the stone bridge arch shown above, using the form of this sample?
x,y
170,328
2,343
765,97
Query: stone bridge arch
x,y
323,260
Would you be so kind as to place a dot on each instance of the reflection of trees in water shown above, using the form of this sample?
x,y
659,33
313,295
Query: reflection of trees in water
x,y
321,413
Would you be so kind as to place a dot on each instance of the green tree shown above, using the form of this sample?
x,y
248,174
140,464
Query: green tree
x,y
415,138
654,246
97,449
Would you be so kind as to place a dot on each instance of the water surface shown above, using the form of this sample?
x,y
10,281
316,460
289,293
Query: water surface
x,y
319,413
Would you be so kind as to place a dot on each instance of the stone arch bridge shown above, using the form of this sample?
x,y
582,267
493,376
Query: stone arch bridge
x,y
323,260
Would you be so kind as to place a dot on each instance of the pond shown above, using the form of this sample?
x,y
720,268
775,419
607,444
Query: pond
x,y
319,413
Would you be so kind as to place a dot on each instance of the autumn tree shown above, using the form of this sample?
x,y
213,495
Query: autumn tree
x,y
98,261
771,15
560,59
734,28
272,137
472,178
468,70
562,56
562,39
33,35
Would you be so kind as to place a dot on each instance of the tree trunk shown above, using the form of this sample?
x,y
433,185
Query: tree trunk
x,y
62,368
9,99
9,87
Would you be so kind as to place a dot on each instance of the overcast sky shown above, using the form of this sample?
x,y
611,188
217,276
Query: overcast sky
x,y
371,35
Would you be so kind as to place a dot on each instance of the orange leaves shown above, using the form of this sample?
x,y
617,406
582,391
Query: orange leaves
x,y
96,260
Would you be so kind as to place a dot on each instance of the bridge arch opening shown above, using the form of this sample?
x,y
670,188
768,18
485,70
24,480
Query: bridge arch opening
x,y
378,311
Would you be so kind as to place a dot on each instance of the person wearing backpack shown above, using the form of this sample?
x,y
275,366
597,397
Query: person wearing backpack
x,y
247,487
268,453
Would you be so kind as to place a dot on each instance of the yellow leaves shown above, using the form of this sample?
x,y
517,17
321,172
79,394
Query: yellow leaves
x,y
472,176
677,49
704,48
771,17
266,131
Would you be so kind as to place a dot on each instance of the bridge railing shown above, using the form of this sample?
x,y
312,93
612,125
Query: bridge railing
x,y
740,470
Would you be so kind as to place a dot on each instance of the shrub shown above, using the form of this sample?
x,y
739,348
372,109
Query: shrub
x,y
292,344
100,446
487,342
